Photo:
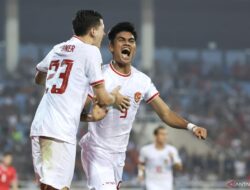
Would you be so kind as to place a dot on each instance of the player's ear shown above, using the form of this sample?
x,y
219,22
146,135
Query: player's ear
x,y
92,32
111,47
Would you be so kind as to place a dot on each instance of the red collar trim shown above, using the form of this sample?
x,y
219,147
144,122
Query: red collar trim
x,y
117,72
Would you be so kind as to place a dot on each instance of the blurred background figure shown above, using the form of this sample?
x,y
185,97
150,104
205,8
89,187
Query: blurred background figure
x,y
8,175
157,162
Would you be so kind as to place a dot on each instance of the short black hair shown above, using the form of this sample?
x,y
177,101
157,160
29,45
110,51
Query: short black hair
x,y
121,27
7,153
158,129
85,20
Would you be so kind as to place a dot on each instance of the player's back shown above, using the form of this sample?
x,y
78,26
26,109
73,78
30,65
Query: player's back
x,y
71,67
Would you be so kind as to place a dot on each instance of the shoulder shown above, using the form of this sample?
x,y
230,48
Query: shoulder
x,y
90,49
140,75
105,68
171,148
147,147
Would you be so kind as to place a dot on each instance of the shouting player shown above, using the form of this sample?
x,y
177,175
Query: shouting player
x,y
157,162
8,176
67,72
104,146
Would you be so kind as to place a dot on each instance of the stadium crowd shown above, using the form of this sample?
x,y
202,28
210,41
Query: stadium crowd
x,y
212,95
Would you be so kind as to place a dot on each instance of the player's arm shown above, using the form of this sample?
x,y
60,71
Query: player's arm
x,y
114,98
174,120
176,160
178,167
42,69
141,171
40,77
14,184
97,113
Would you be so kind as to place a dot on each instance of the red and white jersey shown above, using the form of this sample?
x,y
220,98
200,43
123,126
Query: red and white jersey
x,y
71,68
159,166
112,132
7,176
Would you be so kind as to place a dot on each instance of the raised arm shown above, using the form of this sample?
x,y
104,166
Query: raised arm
x,y
174,120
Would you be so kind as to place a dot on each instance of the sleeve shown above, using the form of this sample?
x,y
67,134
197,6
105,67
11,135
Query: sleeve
x,y
94,71
176,157
142,156
151,92
43,66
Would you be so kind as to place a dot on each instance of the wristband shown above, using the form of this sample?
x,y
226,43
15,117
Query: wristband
x,y
191,127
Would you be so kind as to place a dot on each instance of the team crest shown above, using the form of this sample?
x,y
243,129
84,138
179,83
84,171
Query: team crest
x,y
137,97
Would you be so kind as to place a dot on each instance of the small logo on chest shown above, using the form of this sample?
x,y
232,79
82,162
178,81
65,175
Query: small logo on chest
x,y
137,97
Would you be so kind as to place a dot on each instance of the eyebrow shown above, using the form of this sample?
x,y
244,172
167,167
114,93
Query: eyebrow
x,y
120,37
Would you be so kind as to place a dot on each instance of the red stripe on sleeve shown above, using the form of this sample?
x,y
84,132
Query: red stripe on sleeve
x,y
152,97
96,83
91,97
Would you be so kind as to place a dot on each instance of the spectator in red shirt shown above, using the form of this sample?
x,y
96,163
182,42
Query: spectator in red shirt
x,y
8,176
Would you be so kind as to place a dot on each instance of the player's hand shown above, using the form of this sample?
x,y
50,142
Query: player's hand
x,y
200,132
98,112
122,102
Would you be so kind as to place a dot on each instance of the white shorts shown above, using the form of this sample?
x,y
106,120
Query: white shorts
x,y
102,168
54,161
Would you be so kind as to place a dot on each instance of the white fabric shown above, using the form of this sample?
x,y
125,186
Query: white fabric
x,y
103,169
158,166
54,161
58,114
112,132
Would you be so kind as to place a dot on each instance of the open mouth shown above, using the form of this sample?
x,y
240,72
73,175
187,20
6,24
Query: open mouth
x,y
125,52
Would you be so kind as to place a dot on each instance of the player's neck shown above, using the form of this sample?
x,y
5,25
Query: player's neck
x,y
85,39
121,68
159,146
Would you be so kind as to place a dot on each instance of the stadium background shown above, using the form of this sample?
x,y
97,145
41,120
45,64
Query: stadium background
x,y
201,66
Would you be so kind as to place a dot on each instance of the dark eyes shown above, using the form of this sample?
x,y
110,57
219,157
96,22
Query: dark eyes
x,y
123,40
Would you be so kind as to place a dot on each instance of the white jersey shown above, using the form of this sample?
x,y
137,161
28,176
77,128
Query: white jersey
x,y
71,67
112,132
158,166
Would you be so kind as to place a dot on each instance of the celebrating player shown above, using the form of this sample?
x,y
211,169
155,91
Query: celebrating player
x,y
158,160
8,176
104,146
67,72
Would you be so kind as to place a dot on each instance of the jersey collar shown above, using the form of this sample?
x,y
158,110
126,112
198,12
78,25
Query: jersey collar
x,y
117,72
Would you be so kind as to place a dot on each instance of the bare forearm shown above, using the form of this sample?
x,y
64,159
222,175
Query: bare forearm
x,y
40,78
15,185
174,120
103,97
167,115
